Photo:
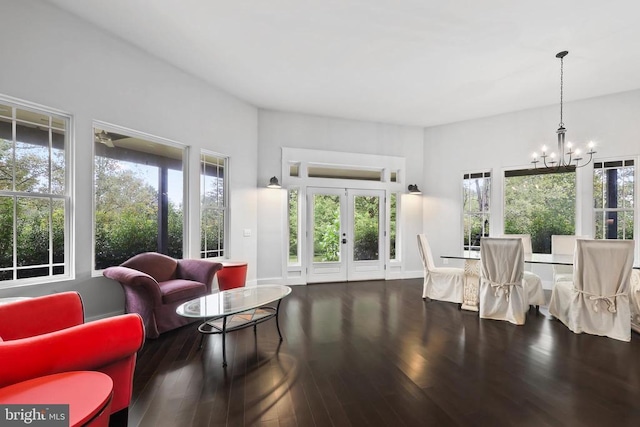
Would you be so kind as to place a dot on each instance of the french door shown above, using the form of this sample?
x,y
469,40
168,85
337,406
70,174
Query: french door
x,y
345,234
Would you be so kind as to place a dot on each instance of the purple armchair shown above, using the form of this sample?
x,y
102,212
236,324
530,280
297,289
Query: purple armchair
x,y
155,285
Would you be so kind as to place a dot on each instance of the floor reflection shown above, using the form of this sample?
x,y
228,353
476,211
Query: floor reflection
x,y
375,353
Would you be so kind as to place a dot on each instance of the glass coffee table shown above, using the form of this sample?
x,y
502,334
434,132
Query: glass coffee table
x,y
235,309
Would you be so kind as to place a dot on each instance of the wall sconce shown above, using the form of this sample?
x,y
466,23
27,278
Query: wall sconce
x,y
413,189
273,183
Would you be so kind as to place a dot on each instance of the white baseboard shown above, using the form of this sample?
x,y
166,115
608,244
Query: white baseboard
x,y
414,274
270,280
417,274
280,281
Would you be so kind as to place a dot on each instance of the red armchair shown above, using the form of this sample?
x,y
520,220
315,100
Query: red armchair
x,y
155,285
47,335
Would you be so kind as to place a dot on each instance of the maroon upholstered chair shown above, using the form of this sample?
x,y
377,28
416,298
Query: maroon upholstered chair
x,y
155,285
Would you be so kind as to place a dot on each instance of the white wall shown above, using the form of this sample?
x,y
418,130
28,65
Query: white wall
x,y
51,58
280,129
56,60
508,141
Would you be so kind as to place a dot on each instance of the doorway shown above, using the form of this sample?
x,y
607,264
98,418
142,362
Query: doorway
x,y
345,234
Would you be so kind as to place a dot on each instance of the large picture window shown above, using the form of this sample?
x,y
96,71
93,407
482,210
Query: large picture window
x,y
540,202
34,194
476,193
213,205
138,196
614,204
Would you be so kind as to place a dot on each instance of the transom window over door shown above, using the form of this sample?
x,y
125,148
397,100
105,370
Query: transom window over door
x,y
34,194
614,203
138,196
540,202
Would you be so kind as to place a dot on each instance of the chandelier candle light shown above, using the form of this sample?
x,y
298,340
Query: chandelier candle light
x,y
570,157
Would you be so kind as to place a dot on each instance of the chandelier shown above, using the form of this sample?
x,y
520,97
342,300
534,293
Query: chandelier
x,y
567,154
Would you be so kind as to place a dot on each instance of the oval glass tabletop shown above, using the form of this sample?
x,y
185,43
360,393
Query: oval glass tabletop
x,y
233,301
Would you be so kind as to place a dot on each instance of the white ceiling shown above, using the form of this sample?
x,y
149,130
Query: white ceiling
x,y
416,62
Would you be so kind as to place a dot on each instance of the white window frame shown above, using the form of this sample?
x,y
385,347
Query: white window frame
x,y
225,203
636,189
487,174
69,252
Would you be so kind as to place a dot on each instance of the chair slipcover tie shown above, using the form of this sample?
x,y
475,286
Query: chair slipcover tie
x,y
610,300
504,287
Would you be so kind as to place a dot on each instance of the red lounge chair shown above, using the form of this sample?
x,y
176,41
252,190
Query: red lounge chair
x,y
47,335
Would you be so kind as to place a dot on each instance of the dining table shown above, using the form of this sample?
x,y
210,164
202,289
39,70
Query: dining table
x,y
472,279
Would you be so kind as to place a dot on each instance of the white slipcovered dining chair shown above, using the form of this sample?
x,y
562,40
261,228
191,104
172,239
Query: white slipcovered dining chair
x,y
440,283
597,300
563,245
502,292
533,282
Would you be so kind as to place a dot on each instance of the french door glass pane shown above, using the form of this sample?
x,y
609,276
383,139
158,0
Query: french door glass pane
x,y
326,228
366,225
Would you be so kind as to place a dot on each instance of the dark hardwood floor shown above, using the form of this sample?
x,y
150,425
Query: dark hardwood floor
x,y
375,354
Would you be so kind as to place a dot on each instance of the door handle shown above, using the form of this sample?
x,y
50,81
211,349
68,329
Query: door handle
x,y
344,241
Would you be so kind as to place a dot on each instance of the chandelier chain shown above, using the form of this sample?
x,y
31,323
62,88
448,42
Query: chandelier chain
x,y
561,89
